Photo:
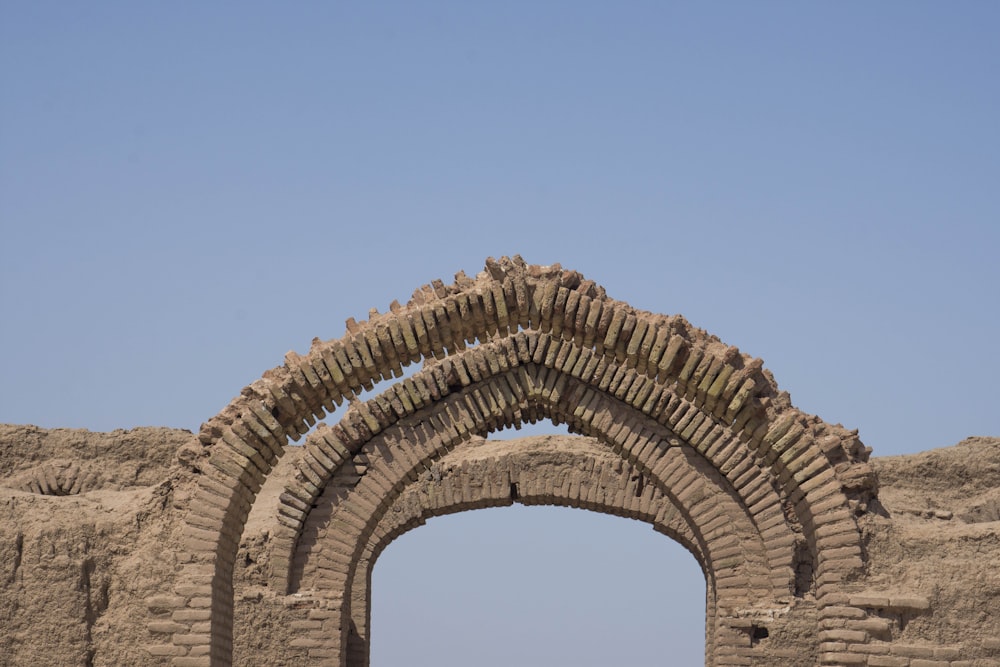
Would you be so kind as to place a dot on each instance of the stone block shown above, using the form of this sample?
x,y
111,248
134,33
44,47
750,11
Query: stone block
x,y
844,635
190,615
912,651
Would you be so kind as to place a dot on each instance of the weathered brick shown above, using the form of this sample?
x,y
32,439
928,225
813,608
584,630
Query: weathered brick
x,y
166,650
192,661
201,638
887,661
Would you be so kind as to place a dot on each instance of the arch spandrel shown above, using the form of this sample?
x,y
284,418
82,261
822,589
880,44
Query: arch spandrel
x,y
821,471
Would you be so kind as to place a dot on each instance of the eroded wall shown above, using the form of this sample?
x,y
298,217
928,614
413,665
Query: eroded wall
x,y
79,569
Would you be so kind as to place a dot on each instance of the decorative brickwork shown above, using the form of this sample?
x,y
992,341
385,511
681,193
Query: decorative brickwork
x,y
769,495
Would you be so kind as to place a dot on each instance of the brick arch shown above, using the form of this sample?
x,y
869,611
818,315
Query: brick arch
x,y
734,553
581,474
821,471
530,393
606,465
538,369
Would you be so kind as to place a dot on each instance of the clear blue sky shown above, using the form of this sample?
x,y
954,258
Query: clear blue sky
x,y
189,190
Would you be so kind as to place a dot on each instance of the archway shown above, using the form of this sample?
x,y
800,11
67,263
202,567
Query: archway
x,y
570,472
536,585
771,494
734,555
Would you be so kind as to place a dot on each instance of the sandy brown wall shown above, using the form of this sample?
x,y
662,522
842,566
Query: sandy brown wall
x,y
78,567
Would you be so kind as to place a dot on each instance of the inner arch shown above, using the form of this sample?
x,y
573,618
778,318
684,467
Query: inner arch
x,y
547,470
562,595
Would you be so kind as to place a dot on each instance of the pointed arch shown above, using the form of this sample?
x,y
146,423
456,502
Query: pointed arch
x,y
734,554
819,472
581,473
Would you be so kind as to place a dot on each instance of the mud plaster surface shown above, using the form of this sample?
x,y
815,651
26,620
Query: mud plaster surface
x,y
89,527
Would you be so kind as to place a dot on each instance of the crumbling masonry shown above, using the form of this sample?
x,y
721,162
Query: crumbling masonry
x,y
676,429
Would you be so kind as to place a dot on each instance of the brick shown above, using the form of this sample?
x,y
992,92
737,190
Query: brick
x,y
878,648
873,625
887,661
305,642
829,647
192,639
190,615
323,653
843,635
912,602
164,602
166,650
843,659
188,590
947,653
841,611
189,661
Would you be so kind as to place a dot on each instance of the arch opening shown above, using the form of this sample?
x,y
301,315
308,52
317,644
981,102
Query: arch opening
x,y
573,588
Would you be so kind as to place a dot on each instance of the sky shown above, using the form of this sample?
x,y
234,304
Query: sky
x,y
189,190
